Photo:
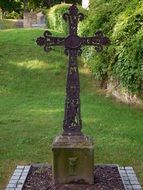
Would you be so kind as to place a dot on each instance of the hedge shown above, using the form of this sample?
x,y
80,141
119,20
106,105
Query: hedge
x,y
6,24
122,21
55,20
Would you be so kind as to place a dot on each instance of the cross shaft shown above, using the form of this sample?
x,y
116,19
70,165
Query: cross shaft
x,y
72,123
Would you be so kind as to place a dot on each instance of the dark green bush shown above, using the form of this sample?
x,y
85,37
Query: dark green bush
x,y
122,21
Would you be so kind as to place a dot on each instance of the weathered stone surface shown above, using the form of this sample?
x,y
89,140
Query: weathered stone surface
x,y
73,158
114,89
29,19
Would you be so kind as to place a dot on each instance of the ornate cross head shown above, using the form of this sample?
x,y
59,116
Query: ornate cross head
x,y
73,41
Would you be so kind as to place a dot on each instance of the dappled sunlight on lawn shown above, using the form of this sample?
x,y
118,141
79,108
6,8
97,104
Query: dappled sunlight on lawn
x,y
89,120
4,91
36,64
85,70
48,111
33,64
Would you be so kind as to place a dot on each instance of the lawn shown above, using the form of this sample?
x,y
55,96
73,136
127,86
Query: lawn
x,y
32,93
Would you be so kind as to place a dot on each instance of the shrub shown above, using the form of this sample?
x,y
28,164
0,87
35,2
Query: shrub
x,y
55,20
13,15
6,24
122,21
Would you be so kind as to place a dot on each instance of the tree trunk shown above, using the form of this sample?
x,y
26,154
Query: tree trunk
x,y
3,13
25,5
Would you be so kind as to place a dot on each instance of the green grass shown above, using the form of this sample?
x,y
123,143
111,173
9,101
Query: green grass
x,y
32,90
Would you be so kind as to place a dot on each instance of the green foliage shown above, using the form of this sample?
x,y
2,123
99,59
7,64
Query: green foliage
x,y
13,15
7,24
9,6
122,21
35,4
18,6
72,1
55,19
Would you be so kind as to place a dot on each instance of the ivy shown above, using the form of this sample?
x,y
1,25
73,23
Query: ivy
x,y
122,21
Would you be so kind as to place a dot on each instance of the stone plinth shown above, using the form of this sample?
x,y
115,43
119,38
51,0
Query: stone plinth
x,y
73,160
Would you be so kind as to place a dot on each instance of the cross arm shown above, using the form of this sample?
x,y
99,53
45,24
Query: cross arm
x,y
98,40
47,41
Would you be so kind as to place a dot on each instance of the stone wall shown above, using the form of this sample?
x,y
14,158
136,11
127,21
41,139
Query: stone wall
x,y
19,23
115,89
29,19
34,20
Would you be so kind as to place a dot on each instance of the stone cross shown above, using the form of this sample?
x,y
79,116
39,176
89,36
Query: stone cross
x,y
72,124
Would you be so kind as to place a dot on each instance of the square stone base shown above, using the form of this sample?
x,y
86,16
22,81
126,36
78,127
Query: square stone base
x,y
73,160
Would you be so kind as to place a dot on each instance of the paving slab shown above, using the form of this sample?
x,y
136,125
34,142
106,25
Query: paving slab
x,y
130,179
21,172
18,178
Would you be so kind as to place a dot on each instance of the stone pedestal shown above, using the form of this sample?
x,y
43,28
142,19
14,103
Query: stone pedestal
x,y
73,160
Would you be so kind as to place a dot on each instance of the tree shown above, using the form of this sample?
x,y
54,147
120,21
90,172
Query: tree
x,y
48,3
36,4
9,6
27,5
25,2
